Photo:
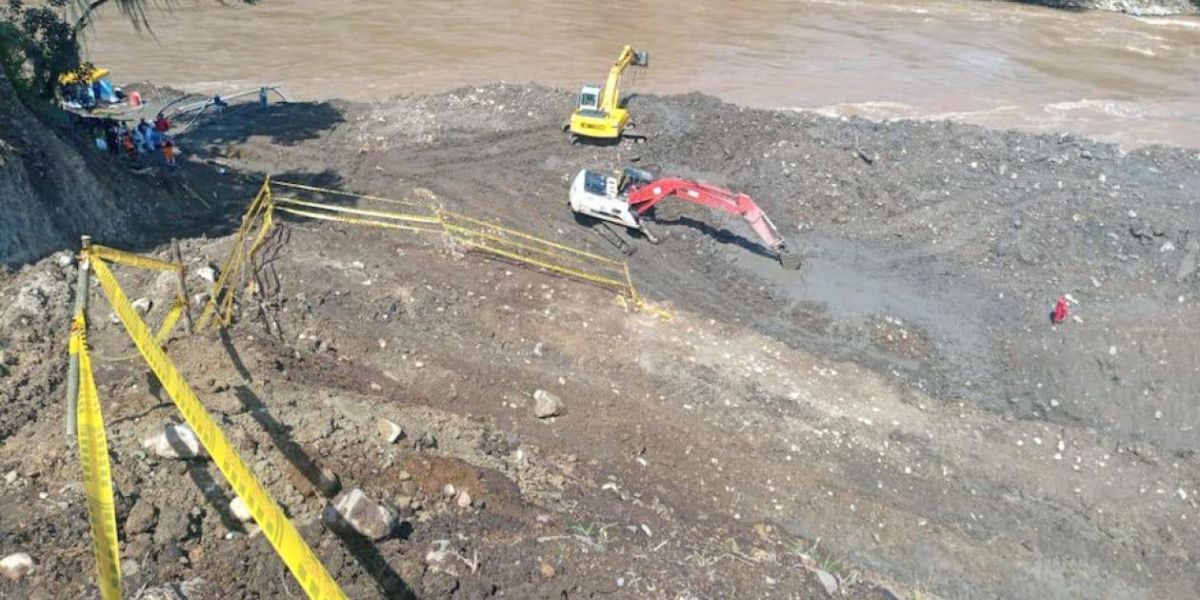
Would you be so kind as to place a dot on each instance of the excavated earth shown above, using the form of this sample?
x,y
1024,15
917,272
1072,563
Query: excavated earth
x,y
899,414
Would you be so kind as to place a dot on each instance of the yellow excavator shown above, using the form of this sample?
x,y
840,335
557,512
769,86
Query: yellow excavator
x,y
599,114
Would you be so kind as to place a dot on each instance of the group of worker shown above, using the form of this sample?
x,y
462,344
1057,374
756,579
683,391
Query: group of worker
x,y
142,139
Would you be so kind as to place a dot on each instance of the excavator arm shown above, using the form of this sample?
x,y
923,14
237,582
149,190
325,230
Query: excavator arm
x,y
612,92
643,196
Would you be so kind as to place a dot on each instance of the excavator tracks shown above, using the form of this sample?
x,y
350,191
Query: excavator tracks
x,y
610,234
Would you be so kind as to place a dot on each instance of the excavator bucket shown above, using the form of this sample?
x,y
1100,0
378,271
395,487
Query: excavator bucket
x,y
641,59
790,260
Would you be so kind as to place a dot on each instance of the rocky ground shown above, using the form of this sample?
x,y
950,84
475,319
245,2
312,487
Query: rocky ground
x,y
897,419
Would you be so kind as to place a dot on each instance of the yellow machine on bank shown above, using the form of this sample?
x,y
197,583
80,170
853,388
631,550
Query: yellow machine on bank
x,y
599,114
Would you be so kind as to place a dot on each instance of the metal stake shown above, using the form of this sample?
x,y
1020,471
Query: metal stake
x,y
81,302
187,308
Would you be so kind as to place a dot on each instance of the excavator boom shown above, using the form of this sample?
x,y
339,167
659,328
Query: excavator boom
x,y
625,199
612,86
644,197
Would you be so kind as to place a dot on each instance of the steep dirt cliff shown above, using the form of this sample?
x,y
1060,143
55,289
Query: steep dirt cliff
x,y
54,186
48,194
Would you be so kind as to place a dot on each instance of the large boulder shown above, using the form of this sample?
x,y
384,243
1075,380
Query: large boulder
x,y
546,405
16,565
175,441
355,510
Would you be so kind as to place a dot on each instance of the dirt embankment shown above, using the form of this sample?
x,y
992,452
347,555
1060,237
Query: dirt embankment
x,y
55,186
898,411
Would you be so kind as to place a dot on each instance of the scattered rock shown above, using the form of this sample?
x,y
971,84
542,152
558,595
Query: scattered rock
x,y
546,405
226,402
449,490
16,565
389,431
130,568
240,511
10,477
547,570
328,483
142,305
175,441
173,525
362,514
427,442
207,273
1141,231
828,581
187,590
142,518
887,593
213,385
463,500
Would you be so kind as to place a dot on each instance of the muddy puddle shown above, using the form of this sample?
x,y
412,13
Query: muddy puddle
x,y
1132,80
870,292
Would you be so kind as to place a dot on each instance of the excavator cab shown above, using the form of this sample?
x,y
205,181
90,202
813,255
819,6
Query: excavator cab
x,y
589,99
633,176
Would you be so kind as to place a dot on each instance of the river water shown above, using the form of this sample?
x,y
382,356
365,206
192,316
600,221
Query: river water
x,y
1114,77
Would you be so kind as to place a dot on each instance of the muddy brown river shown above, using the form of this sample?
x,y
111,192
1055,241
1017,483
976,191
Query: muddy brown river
x,y
1114,77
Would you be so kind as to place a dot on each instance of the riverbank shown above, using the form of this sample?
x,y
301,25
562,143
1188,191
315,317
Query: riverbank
x,y
1145,8
898,413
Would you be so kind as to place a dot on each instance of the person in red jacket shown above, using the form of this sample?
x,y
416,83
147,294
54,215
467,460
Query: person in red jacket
x,y
161,124
1061,310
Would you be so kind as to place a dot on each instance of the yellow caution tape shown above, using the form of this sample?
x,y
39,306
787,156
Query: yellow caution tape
x,y
462,233
245,258
521,234
546,265
97,474
133,260
300,186
468,231
257,205
164,330
278,530
380,214
355,220
172,318
645,307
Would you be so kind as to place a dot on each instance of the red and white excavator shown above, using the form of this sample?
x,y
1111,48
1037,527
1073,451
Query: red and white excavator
x,y
627,199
